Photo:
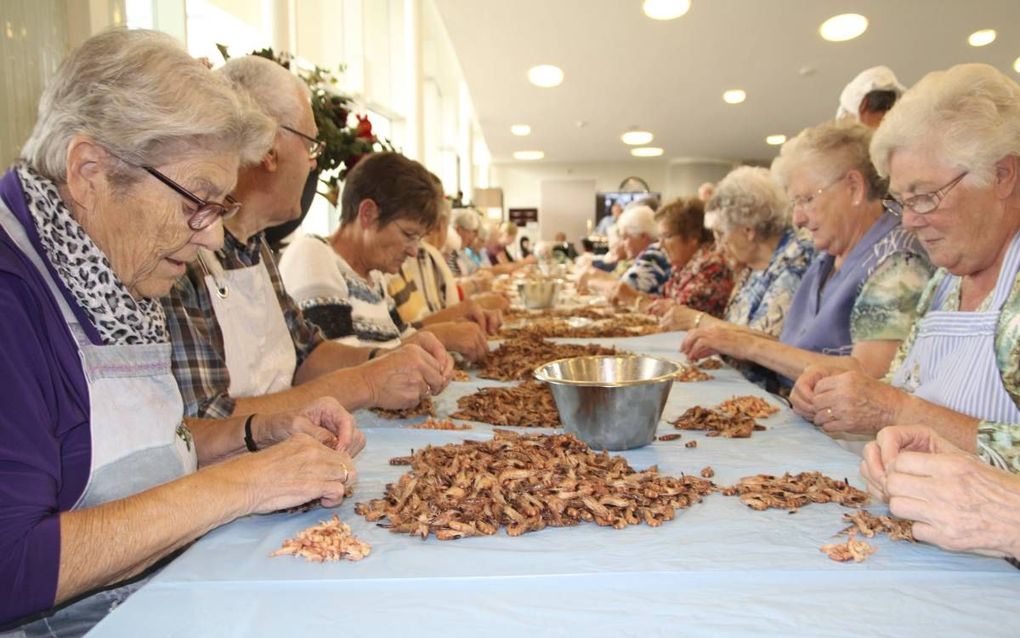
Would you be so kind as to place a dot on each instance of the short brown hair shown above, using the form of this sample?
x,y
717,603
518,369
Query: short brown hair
x,y
685,217
401,188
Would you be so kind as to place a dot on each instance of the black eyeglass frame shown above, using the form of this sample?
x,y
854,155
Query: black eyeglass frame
x,y
208,211
315,148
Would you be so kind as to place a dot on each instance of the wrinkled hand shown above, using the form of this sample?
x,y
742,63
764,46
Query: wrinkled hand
x,y
492,301
463,337
292,473
718,339
622,294
679,317
957,502
324,419
659,307
435,348
401,378
854,402
803,395
488,320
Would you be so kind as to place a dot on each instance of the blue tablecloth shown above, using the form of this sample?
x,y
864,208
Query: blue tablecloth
x,y
718,569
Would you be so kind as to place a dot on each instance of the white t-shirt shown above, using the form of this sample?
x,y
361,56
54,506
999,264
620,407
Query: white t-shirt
x,y
348,308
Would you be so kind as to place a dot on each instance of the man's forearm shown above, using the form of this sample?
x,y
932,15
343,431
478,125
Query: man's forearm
x,y
327,357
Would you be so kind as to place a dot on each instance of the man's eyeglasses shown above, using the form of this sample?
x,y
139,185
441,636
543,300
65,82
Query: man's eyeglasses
x,y
803,201
923,203
207,212
315,147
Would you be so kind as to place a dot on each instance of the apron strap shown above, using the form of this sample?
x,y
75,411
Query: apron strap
x,y
212,267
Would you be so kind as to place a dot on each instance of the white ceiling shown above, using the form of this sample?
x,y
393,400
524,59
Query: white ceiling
x,y
623,69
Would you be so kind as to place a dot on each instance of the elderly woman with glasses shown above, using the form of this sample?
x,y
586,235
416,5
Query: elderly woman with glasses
x,y
751,221
116,191
856,302
389,204
951,149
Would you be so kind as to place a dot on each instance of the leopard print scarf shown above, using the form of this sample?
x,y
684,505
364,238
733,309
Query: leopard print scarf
x,y
86,272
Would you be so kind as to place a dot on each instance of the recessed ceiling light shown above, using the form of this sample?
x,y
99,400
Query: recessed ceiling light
x,y
666,9
981,38
528,155
636,138
646,151
775,140
545,75
841,28
1016,65
520,129
734,96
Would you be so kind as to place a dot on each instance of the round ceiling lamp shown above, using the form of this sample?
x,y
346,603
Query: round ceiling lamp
x,y
636,138
528,156
545,75
665,9
843,27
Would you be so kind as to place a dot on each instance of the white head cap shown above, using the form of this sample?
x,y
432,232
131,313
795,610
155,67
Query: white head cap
x,y
877,78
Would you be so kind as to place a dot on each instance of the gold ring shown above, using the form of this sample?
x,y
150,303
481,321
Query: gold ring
x,y
829,412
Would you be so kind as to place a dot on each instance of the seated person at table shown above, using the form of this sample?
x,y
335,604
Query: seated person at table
x,y
606,223
240,344
649,269
700,277
751,221
424,288
389,203
563,251
496,254
101,479
857,300
956,501
951,150
462,260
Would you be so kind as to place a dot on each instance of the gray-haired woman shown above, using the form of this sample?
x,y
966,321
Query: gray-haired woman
x,y
951,150
751,221
121,182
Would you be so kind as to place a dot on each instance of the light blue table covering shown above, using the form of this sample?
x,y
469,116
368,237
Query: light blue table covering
x,y
718,569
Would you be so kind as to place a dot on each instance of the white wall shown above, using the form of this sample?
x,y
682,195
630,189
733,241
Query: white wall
x,y
565,205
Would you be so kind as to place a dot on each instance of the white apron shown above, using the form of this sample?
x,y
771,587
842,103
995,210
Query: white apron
x,y
952,361
138,436
257,344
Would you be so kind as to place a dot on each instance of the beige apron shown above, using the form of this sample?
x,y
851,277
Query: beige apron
x,y
257,344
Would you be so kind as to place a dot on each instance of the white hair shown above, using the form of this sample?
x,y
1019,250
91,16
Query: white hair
x,y
466,218
830,149
969,115
748,197
453,241
279,93
639,220
139,95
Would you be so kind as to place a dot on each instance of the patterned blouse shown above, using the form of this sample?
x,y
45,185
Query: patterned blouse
x,y
763,296
704,283
1001,438
650,270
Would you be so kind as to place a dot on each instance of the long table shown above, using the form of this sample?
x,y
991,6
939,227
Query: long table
x,y
718,569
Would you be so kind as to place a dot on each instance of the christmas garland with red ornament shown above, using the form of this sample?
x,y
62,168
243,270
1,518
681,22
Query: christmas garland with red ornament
x,y
346,142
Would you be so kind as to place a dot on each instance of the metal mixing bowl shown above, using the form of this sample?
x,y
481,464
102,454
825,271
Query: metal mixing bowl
x,y
610,402
538,295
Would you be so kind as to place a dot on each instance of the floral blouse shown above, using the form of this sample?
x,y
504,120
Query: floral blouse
x,y
704,283
762,296
1000,440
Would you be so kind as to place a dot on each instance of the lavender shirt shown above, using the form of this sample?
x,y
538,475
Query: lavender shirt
x,y
45,445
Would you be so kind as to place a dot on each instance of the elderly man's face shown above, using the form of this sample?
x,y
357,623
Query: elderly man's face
x,y
967,231
144,232
293,164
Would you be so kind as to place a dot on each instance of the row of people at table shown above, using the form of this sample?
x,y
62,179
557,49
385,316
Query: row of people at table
x,y
902,309
150,344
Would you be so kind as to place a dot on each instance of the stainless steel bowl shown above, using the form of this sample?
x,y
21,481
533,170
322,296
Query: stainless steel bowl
x,y
537,295
610,402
